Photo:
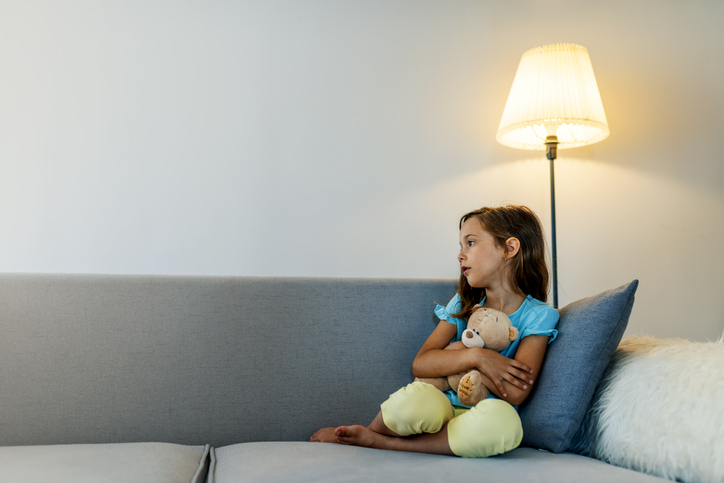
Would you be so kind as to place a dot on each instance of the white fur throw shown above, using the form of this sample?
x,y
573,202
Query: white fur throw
x,y
659,410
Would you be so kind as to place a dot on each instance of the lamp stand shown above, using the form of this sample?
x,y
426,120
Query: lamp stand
x,y
551,154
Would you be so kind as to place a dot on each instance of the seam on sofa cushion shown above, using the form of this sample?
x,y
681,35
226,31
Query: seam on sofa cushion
x,y
211,473
200,475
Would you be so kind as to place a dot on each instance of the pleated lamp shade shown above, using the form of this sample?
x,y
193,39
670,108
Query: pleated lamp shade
x,y
554,93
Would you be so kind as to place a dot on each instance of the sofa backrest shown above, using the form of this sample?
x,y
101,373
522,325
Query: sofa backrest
x,y
202,360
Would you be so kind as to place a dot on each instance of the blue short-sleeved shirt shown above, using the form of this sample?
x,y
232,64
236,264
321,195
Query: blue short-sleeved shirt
x,y
533,317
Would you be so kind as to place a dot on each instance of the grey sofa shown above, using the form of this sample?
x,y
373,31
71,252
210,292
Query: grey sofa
x,y
221,379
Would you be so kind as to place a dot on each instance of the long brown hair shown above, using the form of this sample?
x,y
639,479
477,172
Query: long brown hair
x,y
529,271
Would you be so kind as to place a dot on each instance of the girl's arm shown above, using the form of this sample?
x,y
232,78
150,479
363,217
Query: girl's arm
x,y
433,361
530,352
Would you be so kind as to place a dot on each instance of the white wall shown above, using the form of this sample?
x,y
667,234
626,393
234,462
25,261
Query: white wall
x,y
345,138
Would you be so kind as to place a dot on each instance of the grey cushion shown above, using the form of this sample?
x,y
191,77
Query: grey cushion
x,y
320,463
588,333
109,463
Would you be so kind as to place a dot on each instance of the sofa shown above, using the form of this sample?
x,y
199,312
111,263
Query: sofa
x,y
115,378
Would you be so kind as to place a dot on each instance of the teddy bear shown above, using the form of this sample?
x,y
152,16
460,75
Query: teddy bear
x,y
488,328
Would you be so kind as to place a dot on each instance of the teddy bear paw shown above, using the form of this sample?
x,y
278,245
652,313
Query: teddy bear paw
x,y
471,389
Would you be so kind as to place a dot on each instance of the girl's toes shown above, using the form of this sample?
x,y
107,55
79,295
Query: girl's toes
x,y
324,435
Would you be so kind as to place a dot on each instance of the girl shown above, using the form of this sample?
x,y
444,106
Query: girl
x,y
502,262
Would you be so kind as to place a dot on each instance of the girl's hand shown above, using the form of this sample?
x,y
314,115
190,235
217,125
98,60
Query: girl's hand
x,y
498,368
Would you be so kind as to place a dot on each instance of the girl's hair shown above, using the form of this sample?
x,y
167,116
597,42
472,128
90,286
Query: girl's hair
x,y
529,271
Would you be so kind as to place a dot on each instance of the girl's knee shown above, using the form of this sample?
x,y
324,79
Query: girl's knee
x,y
415,409
490,428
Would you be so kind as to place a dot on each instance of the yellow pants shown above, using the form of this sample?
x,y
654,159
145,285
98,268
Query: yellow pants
x,y
492,427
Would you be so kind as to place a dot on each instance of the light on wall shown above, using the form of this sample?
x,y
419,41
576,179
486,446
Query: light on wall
x,y
554,103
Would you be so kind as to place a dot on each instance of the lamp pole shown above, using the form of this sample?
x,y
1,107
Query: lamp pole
x,y
551,154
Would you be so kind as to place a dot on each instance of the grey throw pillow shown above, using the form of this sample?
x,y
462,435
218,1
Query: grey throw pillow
x,y
589,331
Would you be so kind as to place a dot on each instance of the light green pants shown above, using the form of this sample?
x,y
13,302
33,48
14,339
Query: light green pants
x,y
492,427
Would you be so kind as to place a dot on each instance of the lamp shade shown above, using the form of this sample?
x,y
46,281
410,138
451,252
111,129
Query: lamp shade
x,y
554,93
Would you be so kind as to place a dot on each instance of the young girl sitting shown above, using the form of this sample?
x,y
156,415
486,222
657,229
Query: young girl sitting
x,y
502,262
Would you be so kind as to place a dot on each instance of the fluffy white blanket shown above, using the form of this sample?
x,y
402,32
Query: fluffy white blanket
x,y
659,410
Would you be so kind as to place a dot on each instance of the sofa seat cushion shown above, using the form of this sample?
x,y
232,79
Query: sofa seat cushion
x,y
319,462
107,463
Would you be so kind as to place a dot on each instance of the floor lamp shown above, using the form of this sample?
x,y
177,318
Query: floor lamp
x,y
554,104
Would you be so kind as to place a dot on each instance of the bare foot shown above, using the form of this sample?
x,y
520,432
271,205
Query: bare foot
x,y
324,435
435,443
358,436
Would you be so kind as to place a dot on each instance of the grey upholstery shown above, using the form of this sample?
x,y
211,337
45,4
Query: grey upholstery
x,y
322,463
202,360
107,463
231,362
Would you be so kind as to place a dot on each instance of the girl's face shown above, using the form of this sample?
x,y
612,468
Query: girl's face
x,y
482,261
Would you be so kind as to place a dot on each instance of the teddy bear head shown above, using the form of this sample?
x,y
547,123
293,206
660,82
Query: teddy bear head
x,y
489,328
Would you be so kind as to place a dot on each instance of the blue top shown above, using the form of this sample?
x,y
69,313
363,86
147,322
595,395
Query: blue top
x,y
533,317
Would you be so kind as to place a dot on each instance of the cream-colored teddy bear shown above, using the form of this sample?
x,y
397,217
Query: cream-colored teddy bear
x,y
488,328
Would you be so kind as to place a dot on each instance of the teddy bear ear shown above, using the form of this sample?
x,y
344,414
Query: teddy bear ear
x,y
476,307
513,333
